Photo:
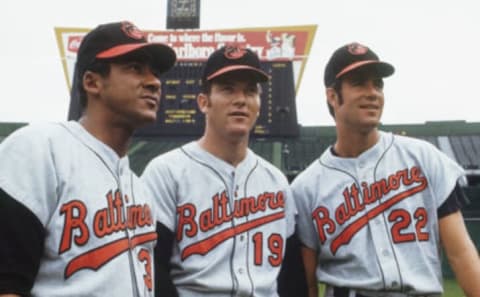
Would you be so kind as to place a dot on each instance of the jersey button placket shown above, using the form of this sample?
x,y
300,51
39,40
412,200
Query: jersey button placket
x,y
122,180
235,194
376,226
240,245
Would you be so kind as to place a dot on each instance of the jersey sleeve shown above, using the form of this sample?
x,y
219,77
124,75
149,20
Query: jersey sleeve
x,y
24,236
28,186
455,201
27,171
302,196
290,211
442,173
160,186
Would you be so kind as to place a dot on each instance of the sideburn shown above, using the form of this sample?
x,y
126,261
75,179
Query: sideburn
x,y
337,87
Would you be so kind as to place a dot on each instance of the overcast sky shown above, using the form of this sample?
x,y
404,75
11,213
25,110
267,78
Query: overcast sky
x,y
433,44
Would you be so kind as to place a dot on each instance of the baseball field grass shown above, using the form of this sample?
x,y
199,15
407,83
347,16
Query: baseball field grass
x,y
450,286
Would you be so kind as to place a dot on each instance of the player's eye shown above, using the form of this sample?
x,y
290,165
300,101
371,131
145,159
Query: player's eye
x,y
357,81
378,83
156,72
227,88
252,90
136,67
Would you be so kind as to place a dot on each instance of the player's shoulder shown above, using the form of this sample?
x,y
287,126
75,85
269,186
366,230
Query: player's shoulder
x,y
174,158
409,143
268,167
34,133
309,174
39,128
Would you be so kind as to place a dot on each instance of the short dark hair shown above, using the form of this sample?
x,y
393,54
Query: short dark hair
x,y
101,67
337,87
111,41
206,87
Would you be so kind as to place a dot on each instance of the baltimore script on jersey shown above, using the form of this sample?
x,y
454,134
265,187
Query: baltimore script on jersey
x,y
356,201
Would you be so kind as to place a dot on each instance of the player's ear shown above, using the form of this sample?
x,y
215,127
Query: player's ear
x,y
91,82
202,102
331,95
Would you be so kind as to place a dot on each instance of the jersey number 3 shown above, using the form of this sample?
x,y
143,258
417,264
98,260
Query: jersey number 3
x,y
145,257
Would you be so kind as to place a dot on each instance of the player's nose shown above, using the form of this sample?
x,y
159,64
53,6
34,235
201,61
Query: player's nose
x,y
152,81
372,90
240,98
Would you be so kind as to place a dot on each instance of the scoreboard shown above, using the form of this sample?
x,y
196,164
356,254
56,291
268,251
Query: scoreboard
x,y
283,52
179,115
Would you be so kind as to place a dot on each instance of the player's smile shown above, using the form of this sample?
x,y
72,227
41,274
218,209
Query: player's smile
x,y
240,120
370,106
371,109
152,100
239,114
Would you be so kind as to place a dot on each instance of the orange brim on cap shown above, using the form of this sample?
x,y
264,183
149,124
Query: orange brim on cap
x,y
120,50
262,75
163,56
387,68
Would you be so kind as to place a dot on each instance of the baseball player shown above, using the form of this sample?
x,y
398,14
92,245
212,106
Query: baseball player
x,y
74,219
229,212
374,209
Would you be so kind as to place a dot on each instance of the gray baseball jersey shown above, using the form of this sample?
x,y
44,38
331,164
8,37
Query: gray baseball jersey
x,y
373,219
100,229
231,223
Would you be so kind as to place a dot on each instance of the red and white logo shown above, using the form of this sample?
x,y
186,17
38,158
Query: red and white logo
x,y
233,52
132,31
74,43
357,49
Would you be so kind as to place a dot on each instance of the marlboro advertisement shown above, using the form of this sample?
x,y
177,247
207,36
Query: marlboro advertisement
x,y
283,52
271,44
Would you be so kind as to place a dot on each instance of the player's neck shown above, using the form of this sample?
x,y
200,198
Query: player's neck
x,y
117,138
351,145
232,151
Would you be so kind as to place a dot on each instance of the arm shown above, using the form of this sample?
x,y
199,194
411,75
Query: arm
x,y
164,286
461,253
291,280
20,258
161,187
310,263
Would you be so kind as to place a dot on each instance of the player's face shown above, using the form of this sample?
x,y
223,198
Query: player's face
x,y
233,105
360,104
130,93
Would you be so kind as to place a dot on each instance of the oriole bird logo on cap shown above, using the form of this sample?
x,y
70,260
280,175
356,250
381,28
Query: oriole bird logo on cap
x,y
357,49
233,52
132,31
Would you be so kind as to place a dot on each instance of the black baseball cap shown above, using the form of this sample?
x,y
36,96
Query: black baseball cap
x,y
354,56
233,58
114,40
